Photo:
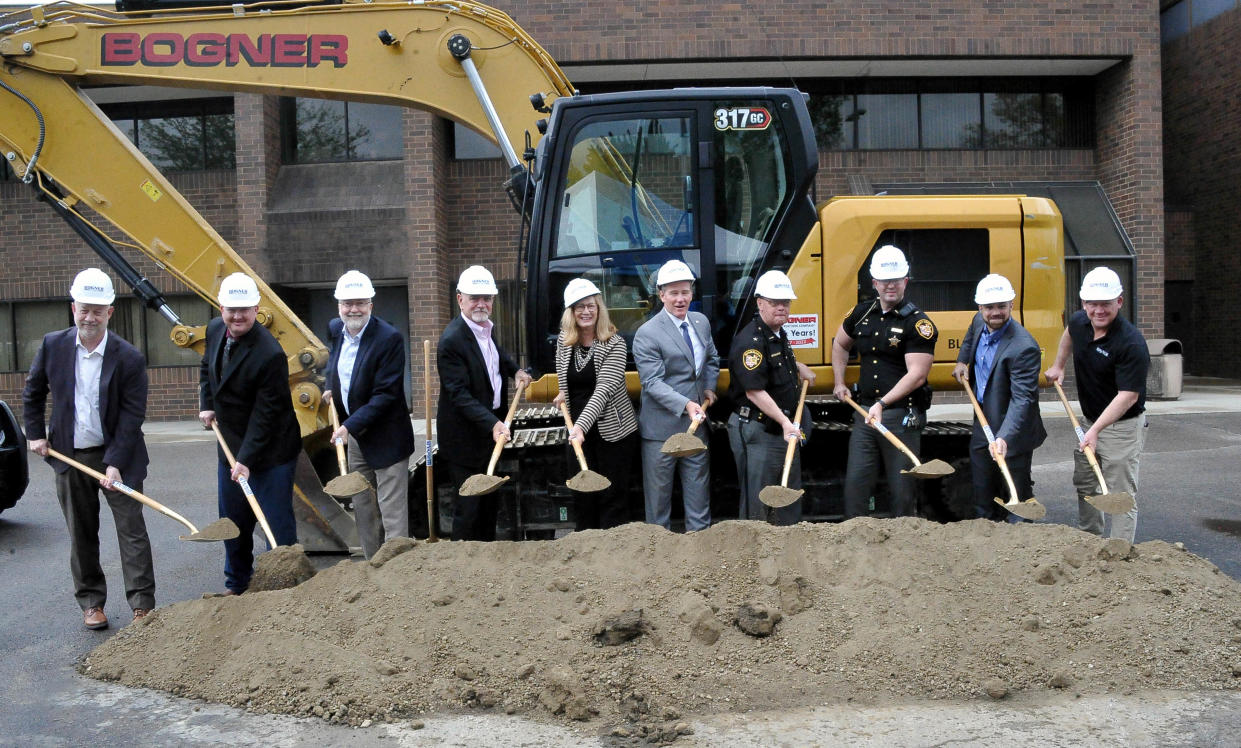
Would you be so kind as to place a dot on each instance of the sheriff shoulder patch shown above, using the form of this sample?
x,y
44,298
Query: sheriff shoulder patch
x,y
925,328
751,359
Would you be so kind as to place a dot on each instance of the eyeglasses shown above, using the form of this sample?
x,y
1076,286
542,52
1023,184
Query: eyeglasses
x,y
889,283
354,304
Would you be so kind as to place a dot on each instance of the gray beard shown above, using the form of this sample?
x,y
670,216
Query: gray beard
x,y
354,326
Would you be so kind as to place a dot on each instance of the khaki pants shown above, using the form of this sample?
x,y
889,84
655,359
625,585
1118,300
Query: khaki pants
x,y
1119,447
383,513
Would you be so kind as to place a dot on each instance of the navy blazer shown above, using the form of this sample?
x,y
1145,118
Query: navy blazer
x,y
1011,398
250,397
464,418
377,417
122,401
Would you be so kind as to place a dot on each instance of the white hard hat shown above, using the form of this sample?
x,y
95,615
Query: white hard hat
x,y
354,285
775,285
238,290
673,271
888,263
994,289
477,281
1101,284
92,286
578,289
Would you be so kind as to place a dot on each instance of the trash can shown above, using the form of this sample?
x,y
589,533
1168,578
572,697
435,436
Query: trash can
x,y
1163,381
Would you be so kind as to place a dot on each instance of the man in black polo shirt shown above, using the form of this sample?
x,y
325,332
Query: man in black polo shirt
x,y
1110,359
896,345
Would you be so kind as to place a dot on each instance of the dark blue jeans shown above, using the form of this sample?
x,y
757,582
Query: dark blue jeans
x,y
273,488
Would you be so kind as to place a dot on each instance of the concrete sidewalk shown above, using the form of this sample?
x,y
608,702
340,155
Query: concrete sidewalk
x,y
1199,395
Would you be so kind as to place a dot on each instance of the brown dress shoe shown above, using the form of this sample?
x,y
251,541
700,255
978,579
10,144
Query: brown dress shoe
x,y
141,613
93,618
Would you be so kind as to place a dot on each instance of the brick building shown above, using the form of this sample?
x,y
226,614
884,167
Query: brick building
x,y
1202,179
1060,94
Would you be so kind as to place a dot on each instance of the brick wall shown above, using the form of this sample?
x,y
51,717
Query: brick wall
x,y
1201,88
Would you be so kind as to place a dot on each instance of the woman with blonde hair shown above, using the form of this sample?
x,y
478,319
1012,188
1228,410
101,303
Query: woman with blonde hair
x,y
590,372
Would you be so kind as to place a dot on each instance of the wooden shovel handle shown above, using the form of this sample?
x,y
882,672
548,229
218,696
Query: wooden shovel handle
x,y
568,424
508,423
986,429
340,448
887,434
245,488
131,493
426,388
693,423
792,445
1077,428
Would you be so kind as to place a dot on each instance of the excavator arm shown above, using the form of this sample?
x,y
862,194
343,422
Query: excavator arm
x,y
56,139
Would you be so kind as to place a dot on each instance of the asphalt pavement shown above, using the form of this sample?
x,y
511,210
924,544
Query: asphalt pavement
x,y
1190,474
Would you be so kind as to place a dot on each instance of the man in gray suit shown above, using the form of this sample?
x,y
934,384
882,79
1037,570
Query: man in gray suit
x,y
1002,361
678,365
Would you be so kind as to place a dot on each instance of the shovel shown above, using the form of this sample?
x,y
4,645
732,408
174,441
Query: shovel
x,y
1110,503
1028,509
685,444
782,495
221,529
245,488
932,469
485,483
426,388
346,484
586,481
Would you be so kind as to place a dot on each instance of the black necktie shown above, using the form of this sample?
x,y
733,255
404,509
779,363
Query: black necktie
x,y
228,350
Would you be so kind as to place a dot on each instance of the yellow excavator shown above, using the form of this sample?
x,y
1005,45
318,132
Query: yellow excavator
x,y
609,187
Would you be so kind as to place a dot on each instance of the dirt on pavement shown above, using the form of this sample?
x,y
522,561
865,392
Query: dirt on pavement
x,y
635,629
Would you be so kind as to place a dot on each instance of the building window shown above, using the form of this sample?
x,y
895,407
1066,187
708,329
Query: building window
x,y
1177,19
999,115
180,135
318,131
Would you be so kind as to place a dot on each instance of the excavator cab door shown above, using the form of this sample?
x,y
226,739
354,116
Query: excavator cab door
x,y
629,181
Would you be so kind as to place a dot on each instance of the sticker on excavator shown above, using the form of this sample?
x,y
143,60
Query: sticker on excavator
x,y
152,191
742,118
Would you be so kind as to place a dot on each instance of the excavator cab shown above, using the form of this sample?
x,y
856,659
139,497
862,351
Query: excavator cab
x,y
717,178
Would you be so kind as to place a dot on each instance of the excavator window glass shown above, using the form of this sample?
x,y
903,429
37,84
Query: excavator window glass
x,y
944,266
751,185
630,185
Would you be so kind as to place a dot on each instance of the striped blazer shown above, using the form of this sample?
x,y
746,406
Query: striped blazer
x,y
609,406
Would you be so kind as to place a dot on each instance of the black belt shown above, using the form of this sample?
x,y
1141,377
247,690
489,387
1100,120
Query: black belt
x,y
100,448
751,413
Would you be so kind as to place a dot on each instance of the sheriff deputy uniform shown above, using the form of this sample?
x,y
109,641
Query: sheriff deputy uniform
x,y
761,359
882,338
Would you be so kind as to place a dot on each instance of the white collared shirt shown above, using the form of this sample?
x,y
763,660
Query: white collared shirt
x,y
491,355
349,345
700,351
87,371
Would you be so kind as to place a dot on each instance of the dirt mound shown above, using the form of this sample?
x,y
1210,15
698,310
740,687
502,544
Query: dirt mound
x,y
636,628
280,568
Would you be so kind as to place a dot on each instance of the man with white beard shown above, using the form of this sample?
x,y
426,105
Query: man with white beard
x,y
365,382
473,371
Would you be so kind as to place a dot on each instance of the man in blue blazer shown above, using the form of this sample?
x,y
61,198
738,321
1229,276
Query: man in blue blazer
x,y
366,384
1002,360
98,384
678,365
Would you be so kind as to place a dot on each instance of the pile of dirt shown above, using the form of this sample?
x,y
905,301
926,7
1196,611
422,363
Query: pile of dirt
x,y
635,629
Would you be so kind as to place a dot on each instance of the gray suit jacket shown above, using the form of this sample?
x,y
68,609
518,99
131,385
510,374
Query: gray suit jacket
x,y
1011,399
666,368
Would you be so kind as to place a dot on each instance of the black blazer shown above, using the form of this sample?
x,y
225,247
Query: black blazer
x,y
251,397
122,401
377,417
1011,399
465,418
